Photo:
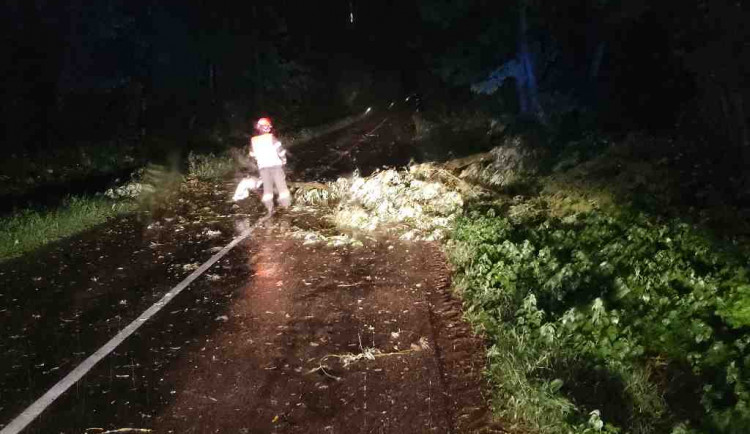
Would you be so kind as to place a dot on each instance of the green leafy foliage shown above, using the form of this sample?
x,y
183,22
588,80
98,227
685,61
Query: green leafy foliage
x,y
635,320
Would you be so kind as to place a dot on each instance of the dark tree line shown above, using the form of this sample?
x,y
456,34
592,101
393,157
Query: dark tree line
x,y
635,64
87,71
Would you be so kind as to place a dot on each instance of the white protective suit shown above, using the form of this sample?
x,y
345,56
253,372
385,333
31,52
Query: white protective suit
x,y
271,158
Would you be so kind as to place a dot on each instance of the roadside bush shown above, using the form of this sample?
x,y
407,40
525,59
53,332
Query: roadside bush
x,y
643,323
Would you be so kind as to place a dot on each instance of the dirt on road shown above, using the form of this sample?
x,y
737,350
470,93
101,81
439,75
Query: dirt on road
x,y
334,340
278,336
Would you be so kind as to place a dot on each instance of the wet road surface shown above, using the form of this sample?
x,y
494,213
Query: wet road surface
x,y
276,337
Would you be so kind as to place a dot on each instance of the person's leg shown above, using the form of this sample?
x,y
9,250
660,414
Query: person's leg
x,y
280,182
267,176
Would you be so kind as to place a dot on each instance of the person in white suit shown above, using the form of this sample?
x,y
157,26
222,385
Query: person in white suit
x,y
271,158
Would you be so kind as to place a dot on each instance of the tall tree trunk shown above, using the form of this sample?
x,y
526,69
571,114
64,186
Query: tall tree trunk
x,y
212,80
257,85
726,119
742,129
529,91
596,62
523,94
43,72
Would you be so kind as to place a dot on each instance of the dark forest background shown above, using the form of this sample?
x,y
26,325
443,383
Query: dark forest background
x,y
138,72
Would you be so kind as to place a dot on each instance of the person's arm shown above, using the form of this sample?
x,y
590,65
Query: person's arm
x,y
280,151
250,149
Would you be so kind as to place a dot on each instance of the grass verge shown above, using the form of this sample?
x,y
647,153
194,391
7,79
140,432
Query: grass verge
x,y
212,167
29,230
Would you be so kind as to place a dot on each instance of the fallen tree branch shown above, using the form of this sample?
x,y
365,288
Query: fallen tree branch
x,y
447,177
460,163
307,186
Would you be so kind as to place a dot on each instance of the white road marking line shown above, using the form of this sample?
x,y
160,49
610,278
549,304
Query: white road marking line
x,y
27,416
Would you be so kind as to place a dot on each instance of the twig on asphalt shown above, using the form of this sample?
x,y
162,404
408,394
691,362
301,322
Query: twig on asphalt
x,y
118,431
367,353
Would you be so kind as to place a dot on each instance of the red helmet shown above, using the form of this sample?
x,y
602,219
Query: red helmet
x,y
263,125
